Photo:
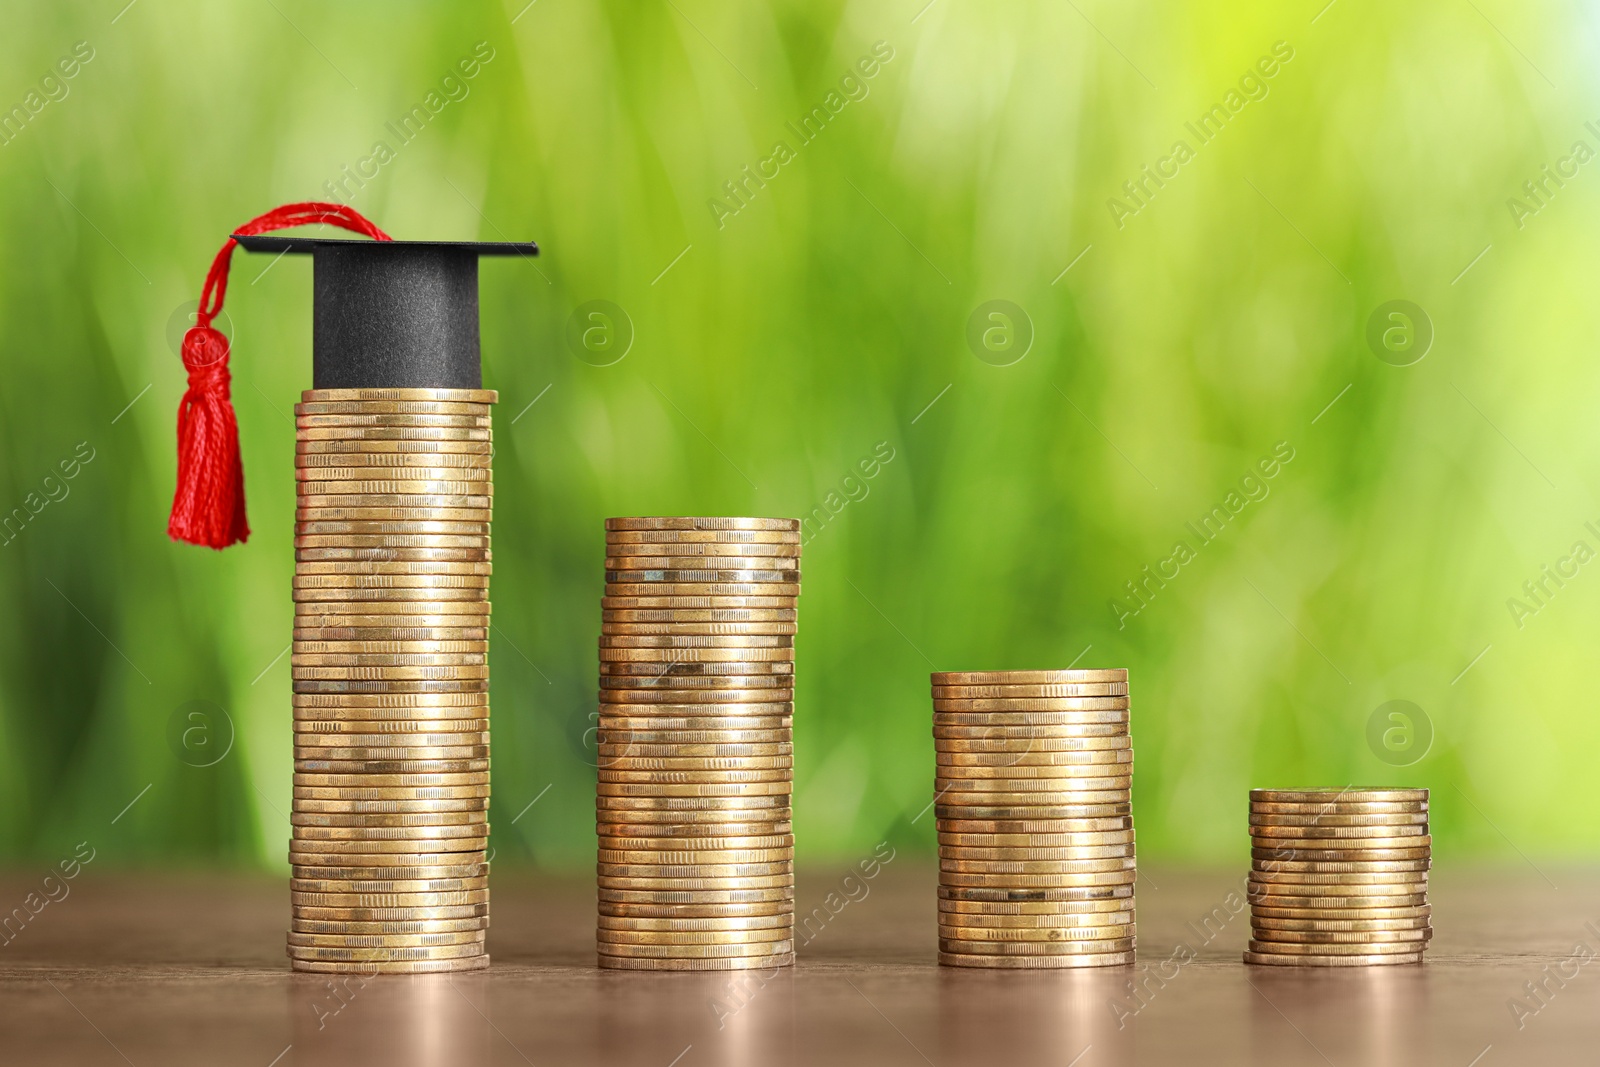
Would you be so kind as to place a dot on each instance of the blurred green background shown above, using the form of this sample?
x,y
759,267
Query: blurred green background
x,y
1158,343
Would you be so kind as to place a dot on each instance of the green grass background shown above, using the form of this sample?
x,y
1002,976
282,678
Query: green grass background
x,y
819,320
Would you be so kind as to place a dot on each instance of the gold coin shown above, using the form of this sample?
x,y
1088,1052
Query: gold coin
x,y
366,567
1369,948
776,896
1350,926
627,838
459,396
1037,914
418,779
389,544
1028,814
395,807
616,590
392,407
695,789
347,850
1064,785
367,647
635,767
458,937
398,635
735,963
1110,959
412,926
702,536
654,673
963,879
463,506
1400,819
727,698
700,615
367,755
413,528
384,955
1042,691
309,493
675,602
1420,911
607,935
1348,795
650,863
675,553
1270,959
1031,711
666,823
1105,897
393,820
700,883
444,613
387,886
455,898
392,512
620,714
713,729
668,658
1336,836
1043,831
423,793
978,857
352,582
717,924
1281,866
369,446
392,420
383,859
642,750
1055,935
427,914
1091,735
672,642
468,870
1327,901
435,673
1299,853
1050,867
386,659
411,832
787,563
711,629
685,522
1339,808
468,963
938,678
1413,938
1034,764
617,771
344,722
311,476
1043,742
776,806
351,434
657,952
1338,878
774,911
1077,839
953,946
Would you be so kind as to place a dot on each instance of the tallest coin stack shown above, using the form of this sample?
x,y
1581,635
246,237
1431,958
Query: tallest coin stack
x,y
696,859
391,680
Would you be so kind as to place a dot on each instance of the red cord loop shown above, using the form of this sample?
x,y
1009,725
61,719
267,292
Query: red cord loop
x,y
208,504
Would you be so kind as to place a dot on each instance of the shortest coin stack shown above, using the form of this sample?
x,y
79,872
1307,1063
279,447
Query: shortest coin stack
x,y
1339,877
1036,859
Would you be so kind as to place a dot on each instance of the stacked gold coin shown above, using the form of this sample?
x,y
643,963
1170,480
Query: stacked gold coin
x,y
696,858
1033,806
1339,877
391,680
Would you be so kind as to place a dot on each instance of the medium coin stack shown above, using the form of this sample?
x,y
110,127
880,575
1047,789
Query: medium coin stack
x,y
391,680
1033,807
1339,877
696,857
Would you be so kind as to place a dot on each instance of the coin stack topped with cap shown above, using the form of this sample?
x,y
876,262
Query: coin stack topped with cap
x,y
1033,806
696,857
1339,877
391,681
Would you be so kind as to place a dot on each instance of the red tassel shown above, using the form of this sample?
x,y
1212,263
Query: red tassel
x,y
208,506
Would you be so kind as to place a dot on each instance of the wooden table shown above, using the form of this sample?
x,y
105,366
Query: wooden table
x,y
144,971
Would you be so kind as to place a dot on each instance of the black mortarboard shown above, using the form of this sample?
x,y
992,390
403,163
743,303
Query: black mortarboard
x,y
393,314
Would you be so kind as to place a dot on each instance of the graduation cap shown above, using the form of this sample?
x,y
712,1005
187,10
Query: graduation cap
x,y
387,314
